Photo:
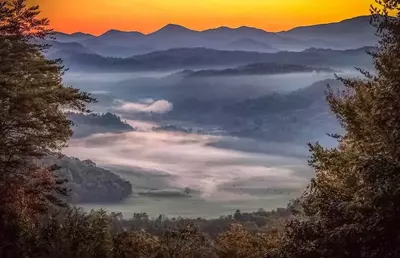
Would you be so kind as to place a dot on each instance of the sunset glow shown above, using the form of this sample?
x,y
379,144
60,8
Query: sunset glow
x,y
98,16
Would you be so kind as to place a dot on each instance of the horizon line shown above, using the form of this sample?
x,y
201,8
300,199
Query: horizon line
x,y
222,26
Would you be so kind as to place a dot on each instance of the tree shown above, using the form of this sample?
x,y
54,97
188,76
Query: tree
x,y
186,241
239,243
187,191
352,205
32,120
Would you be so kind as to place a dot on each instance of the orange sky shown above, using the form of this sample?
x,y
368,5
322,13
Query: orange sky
x,y
98,16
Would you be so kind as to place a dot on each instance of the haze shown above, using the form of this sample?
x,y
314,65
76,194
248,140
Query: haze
x,y
204,123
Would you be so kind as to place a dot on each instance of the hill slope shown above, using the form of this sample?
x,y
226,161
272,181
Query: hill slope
x,y
350,33
87,182
187,58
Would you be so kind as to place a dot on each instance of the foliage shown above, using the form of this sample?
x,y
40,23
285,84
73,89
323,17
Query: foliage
x,y
74,233
32,122
255,222
88,183
88,124
351,207
238,242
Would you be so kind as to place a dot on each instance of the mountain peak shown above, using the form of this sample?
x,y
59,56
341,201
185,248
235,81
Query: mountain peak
x,y
114,32
81,34
172,28
350,23
248,28
245,29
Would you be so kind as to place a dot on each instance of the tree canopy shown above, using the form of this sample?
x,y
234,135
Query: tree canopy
x,y
352,206
32,120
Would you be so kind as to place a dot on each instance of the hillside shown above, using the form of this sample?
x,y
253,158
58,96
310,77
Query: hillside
x,y
87,182
85,125
350,33
258,69
187,58
246,44
284,117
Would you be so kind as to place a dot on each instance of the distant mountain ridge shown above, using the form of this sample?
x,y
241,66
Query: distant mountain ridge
x,y
245,44
258,69
351,33
200,58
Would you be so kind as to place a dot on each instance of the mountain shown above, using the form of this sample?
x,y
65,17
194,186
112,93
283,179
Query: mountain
x,y
117,38
115,43
111,48
200,58
172,36
172,30
87,182
258,69
75,37
246,44
347,34
58,48
285,103
350,33
85,125
226,35
298,116
112,34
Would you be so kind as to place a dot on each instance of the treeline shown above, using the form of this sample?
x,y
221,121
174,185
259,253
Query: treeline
x,y
350,209
74,233
87,124
260,221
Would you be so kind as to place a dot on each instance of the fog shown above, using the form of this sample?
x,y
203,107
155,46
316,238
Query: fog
x,y
144,105
183,98
240,167
161,164
173,87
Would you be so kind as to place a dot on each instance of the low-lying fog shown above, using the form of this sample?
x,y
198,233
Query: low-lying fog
x,y
130,86
160,165
223,173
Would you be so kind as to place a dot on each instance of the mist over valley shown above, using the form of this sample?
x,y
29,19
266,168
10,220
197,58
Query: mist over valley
x,y
202,129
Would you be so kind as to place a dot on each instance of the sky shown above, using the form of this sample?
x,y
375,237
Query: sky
x,y
98,16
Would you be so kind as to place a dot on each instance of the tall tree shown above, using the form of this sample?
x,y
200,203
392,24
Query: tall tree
x,y
32,121
352,206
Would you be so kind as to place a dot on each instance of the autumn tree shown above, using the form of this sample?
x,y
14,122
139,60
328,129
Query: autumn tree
x,y
32,121
352,206
237,242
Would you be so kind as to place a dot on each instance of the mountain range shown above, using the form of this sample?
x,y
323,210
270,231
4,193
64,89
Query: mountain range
x,y
257,69
347,34
200,58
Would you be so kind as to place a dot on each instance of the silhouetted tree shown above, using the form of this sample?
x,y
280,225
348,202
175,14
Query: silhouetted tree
x,y
32,122
352,206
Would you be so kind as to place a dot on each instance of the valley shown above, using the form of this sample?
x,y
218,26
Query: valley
x,y
213,121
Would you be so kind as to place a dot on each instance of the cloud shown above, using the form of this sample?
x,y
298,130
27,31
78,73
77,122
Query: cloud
x,y
145,106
